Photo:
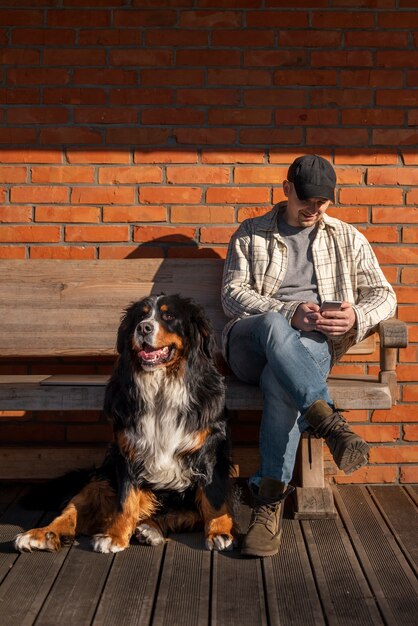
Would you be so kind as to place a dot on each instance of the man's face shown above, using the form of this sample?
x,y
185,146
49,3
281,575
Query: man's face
x,y
303,213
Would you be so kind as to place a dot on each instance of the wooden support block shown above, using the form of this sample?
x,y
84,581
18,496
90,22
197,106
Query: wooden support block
x,y
313,503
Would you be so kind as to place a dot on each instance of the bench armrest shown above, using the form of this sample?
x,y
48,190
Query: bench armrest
x,y
393,334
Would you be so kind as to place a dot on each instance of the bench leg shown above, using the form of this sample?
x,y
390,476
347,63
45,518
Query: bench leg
x,y
313,497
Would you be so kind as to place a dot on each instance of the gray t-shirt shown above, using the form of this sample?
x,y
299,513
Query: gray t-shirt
x,y
300,280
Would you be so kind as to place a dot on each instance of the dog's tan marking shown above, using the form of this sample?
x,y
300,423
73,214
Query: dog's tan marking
x,y
200,439
218,522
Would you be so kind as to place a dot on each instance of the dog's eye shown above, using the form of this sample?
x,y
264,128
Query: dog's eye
x,y
167,316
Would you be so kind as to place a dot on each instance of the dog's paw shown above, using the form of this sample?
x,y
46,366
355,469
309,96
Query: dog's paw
x,y
106,544
148,535
219,542
37,539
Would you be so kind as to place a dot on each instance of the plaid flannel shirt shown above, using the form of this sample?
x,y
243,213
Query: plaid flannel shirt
x,y
345,265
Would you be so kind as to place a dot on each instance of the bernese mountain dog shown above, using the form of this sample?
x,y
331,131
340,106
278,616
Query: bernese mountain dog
x,y
169,464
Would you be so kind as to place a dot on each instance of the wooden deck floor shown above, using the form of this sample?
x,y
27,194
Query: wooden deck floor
x,y
358,569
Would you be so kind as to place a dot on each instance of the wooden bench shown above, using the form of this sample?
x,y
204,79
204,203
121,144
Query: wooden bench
x,y
72,308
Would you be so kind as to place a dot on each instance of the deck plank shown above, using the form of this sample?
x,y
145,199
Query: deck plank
x,y
397,582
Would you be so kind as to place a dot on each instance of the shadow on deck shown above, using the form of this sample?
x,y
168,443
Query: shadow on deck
x,y
360,568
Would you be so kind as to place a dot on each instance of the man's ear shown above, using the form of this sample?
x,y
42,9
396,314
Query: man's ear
x,y
286,188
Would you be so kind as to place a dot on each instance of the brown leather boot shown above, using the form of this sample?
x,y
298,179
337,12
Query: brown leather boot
x,y
348,449
265,530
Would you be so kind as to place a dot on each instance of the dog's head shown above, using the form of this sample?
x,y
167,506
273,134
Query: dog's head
x,y
160,331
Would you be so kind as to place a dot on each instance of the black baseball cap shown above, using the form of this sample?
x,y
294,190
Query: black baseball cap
x,y
313,177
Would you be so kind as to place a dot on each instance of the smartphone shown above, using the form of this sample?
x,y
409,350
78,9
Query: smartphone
x,y
331,305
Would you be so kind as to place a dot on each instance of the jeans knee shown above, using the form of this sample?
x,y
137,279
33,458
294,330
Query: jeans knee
x,y
273,321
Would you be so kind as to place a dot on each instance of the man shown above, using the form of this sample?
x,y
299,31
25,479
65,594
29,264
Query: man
x,y
280,268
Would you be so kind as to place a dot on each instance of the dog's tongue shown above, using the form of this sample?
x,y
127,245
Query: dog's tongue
x,y
148,354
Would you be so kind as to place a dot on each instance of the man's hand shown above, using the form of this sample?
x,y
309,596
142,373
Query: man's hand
x,y
308,317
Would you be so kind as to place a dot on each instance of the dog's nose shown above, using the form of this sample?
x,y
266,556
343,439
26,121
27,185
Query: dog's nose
x,y
146,327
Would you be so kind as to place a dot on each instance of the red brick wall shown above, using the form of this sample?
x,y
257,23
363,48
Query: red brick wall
x,y
152,128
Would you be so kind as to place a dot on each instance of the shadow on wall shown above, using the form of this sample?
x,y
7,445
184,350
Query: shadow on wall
x,y
173,246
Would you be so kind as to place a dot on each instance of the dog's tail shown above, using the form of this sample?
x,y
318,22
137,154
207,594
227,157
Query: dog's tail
x,y
54,494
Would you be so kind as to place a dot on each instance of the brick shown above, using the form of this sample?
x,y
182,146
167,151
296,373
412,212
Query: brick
x,y
364,195
275,97
28,155
96,76
410,432
365,156
96,233
398,413
69,135
310,38
15,135
12,252
399,136
243,77
131,252
13,17
74,56
408,474
336,137
381,234
342,58
62,174
288,155
211,19
351,214
205,136
173,77
394,255
410,393
250,212
42,194
10,174
350,175
208,96
198,175
202,214
87,18
164,233
377,39
16,56
132,174
265,136
191,252
371,78
410,275
305,77
378,434
172,115
62,252
134,214
232,156
412,118
75,155
240,38
67,214
410,235
395,215
37,76
43,36
22,234
18,95
138,96
409,354
408,313
37,115
15,214
396,97
109,37
342,19
170,195
274,58
165,156
398,19
369,475
268,174
103,195
240,117
208,58
131,17
216,235
74,95
372,117
394,454
132,135
306,117
277,19
237,195
141,58
180,37
105,115
412,197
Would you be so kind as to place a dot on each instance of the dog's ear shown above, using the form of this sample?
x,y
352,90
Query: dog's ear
x,y
202,332
123,330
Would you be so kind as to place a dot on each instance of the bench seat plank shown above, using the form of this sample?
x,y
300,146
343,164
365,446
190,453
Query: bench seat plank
x,y
59,393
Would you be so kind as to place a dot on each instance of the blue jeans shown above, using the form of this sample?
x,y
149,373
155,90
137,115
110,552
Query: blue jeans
x,y
291,367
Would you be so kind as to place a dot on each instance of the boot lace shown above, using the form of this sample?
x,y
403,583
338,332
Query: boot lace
x,y
333,423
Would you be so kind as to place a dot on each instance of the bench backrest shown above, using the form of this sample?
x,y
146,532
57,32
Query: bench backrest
x,y
71,308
